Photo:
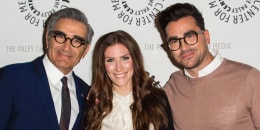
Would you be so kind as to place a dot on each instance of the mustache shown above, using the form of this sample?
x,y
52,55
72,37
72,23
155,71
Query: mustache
x,y
186,51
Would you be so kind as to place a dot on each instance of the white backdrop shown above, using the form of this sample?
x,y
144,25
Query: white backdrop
x,y
233,25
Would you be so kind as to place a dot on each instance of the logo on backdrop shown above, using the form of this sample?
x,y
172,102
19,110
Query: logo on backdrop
x,y
236,12
140,14
37,11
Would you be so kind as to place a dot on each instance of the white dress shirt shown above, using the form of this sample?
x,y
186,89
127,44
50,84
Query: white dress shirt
x,y
218,59
54,77
120,117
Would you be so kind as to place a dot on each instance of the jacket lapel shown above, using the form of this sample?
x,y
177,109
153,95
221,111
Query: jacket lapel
x,y
44,93
81,95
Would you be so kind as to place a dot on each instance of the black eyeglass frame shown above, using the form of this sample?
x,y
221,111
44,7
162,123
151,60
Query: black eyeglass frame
x,y
76,38
184,39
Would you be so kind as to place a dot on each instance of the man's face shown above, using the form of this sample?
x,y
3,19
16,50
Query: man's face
x,y
194,56
65,56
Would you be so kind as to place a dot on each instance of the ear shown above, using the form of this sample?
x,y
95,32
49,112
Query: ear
x,y
46,41
86,50
207,36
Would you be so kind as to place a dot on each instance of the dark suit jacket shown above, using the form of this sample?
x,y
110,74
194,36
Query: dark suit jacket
x,y
26,101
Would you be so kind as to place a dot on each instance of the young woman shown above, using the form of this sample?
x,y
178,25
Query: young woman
x,y
122,95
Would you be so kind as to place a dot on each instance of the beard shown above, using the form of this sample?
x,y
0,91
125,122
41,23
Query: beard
x,y
190,62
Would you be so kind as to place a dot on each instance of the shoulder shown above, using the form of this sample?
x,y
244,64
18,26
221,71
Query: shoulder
x,y
23,68
16,69
174,77
176,74
79,80
236,64
81,83
238,67
237,71
20,75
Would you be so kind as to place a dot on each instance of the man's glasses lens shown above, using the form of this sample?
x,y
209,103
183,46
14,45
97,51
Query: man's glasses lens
x,y
61,38
189,38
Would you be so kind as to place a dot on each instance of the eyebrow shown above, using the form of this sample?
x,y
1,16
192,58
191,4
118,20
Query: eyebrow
x,y
186,33
120,56
73,36
79,37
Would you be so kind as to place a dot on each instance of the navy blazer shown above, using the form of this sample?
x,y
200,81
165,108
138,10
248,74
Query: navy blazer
x,y
26,101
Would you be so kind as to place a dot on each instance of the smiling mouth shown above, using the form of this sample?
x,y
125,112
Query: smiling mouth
x,y
65,55
120,75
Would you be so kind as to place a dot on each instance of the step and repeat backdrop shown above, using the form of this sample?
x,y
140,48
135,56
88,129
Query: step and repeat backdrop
x,y
234,28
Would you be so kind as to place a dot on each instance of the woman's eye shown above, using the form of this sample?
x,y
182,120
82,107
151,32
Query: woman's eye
x,y
126,57
109,60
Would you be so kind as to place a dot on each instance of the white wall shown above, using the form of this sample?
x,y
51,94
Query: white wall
x,y
234,28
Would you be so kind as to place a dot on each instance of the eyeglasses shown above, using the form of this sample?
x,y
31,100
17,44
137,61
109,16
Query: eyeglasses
x,y
61,37
190,38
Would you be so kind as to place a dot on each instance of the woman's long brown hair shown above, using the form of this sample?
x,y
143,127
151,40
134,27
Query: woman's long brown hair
x,y
148,106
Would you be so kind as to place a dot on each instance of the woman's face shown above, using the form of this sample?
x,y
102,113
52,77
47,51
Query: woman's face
x,y
119,66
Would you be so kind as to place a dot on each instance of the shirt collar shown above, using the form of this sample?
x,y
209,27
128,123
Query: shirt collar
x,y
218,59
53,73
